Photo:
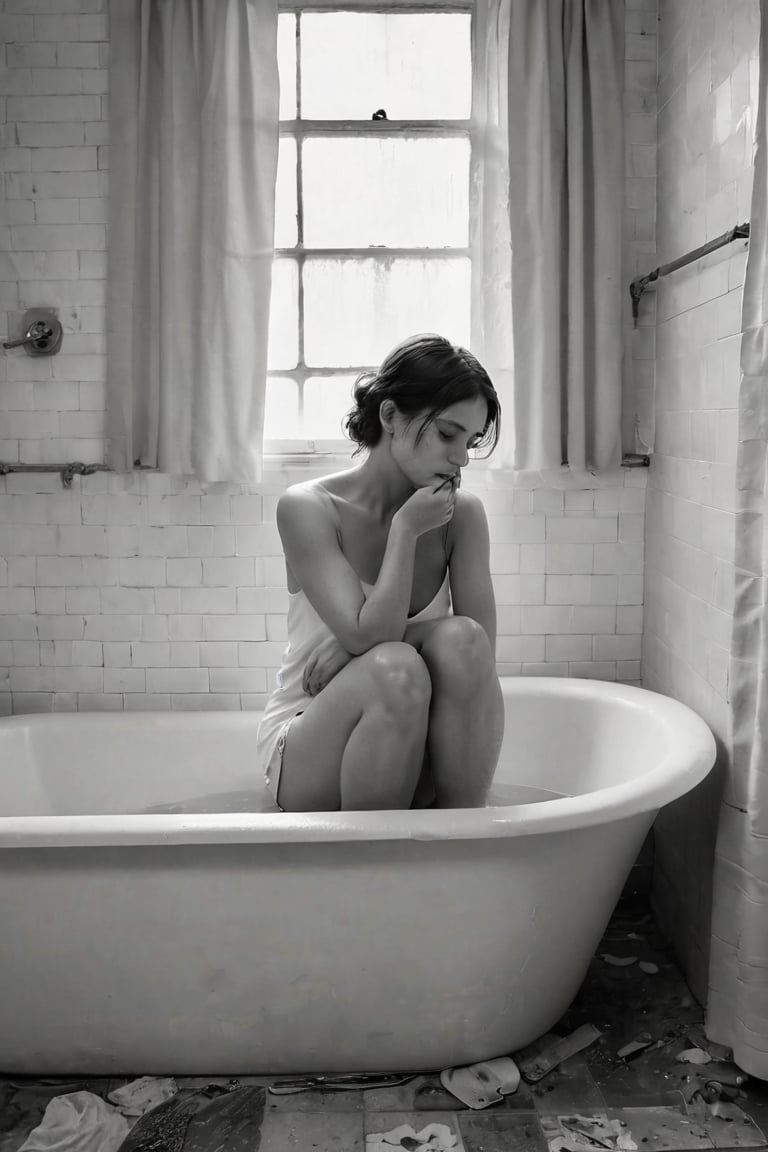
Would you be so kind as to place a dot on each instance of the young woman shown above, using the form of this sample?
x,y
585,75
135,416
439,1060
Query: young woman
x,y
388,695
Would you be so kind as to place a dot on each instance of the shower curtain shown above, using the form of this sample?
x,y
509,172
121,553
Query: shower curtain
x,y
548,101
194,98
737,1009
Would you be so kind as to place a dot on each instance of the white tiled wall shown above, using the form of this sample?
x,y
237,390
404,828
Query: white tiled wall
x,y
148,591
707,92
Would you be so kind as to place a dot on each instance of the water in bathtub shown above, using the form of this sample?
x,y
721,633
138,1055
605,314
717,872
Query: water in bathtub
x,y
258,800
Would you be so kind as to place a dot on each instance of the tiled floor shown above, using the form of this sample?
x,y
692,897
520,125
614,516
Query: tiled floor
x,y
594,1100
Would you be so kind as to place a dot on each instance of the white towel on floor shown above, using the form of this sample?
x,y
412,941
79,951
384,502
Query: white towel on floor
x,y
78,1122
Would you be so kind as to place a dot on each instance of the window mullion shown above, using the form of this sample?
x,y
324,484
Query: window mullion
x,y
301,375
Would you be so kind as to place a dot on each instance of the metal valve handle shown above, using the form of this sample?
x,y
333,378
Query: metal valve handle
x,y
43,336
37,332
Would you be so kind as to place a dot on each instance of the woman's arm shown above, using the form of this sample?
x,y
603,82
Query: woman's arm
x,y
314,556
469,564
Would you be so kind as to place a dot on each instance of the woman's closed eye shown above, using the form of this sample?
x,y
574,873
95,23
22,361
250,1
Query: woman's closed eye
x,y
448,437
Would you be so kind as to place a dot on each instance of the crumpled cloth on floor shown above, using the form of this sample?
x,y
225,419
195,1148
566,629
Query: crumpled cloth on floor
x,y
433,1138
78,1122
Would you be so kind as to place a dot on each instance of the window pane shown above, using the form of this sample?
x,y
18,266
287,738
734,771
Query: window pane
x,y
286,64
286,233
387,191
414,65
327,399
281,409
284,315
357,310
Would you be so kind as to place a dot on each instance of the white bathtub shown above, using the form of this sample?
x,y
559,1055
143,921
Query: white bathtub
x,y
210,943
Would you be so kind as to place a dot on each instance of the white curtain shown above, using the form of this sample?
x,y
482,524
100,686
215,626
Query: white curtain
x,y
737,1009
194,99
549,102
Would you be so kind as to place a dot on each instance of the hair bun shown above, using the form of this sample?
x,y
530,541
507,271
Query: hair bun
x,y
362,422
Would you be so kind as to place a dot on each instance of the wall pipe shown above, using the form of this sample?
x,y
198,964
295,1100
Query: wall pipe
x,y
640,283
67,470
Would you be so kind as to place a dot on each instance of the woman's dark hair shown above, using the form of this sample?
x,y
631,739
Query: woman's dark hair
x,y
424,373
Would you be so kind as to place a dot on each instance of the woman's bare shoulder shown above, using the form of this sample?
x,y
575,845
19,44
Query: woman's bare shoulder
x,y
309,508
469,507
314,498
316,490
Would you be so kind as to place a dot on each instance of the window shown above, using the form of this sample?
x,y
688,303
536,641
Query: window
x,y
372,206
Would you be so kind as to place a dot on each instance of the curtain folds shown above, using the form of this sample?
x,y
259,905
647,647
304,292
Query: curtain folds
x,y
194,91
737,1010
549,104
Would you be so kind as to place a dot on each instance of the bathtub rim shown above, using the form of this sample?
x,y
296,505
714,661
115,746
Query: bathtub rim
x,y
690,756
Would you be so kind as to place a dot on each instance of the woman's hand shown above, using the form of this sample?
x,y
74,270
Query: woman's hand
x,y
428,507
327,659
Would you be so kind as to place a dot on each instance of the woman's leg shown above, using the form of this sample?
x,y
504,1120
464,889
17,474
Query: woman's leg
x,y
466,719
360,743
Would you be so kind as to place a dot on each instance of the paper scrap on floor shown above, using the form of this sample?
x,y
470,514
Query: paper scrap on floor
x,y
433,1138
575,1133
141,1095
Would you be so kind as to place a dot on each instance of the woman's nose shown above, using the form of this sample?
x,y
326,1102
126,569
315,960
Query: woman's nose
x,y
459,457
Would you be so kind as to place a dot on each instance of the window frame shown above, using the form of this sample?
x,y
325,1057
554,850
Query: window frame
x,y
303,451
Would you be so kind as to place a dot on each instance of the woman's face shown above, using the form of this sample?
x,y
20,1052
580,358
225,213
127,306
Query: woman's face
x,y
443,448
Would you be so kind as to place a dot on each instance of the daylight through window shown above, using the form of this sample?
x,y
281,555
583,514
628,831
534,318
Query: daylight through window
x,y
372,205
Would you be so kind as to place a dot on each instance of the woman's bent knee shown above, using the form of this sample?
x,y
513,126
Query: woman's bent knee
x,y
400,678
458,651
458,635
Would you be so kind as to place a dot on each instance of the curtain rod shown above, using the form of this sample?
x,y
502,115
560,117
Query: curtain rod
x,y
640,283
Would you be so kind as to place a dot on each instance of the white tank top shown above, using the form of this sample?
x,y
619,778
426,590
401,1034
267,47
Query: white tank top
x,y
305,631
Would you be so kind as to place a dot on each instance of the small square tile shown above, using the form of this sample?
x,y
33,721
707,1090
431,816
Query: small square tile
x,y
737,1131
570,1087
380,1123
662,1128
637,1084
495,1131
522,1100
754,1107
402,1097
319,1131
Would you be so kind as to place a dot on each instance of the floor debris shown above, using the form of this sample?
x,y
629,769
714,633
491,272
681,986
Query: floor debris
x,y
640,1042
343,1082
576,1133
537,1063
433,1138
81,1121
693,1056
141,1095
480,1085
163,1129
